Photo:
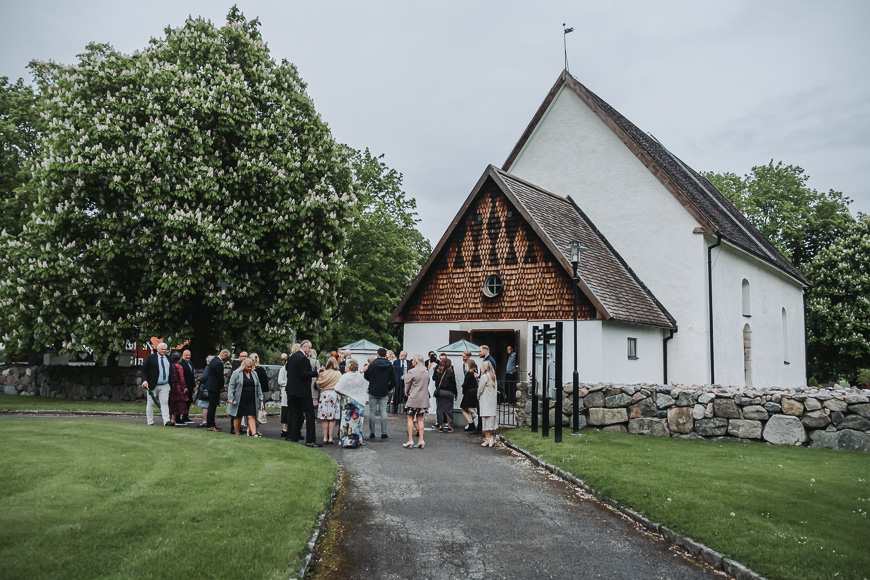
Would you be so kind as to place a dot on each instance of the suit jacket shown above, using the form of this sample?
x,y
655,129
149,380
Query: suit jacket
x,y
397,370
189,377
151,369
214,383
299,375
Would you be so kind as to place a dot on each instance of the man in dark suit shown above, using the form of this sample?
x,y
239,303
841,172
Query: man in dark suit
x,y
299,375
155,378
400,367
214,384
189,382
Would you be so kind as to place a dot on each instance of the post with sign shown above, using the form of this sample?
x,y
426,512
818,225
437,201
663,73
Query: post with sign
x,y
545,386
536,338
557,438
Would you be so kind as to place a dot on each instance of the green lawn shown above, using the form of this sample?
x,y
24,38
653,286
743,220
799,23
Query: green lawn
x,y
786,512
106,499
24,403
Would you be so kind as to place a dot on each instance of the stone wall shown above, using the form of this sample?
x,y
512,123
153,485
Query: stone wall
x,y
87,382
832,418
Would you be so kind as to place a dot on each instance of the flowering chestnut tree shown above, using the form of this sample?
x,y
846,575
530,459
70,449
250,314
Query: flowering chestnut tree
x,y
839,322
164,173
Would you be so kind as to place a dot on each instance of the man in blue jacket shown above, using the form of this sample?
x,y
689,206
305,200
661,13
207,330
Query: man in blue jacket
x,y
379,373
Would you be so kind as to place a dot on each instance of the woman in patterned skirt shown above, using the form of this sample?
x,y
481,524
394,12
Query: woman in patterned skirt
x,y
417,404
329,409
353,389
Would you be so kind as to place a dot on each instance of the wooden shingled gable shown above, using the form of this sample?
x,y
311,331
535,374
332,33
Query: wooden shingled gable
x,y
516,230
490,236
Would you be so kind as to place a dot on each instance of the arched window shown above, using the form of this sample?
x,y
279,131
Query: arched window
x,y
747,310
785,336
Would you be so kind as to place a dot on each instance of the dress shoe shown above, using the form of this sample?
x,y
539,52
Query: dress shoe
x,y
169,424
372,435
420,445
215,429
408,444
469,428
383,435
313,445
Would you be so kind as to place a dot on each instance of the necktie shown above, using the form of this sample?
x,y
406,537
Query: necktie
x,y
162,369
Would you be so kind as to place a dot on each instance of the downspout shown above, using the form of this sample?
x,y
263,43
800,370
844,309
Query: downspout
x,y
665,353
806,343
710,292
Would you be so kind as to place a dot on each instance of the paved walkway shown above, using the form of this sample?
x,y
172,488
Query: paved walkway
x,y
459,510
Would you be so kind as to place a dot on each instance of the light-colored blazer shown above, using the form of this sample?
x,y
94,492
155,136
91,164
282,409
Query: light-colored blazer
x,y
486,392
234,392
417,387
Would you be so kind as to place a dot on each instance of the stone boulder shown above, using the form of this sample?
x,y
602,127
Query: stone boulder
x,y
816,419
812,404
594,399
862,409
615,429
601,416
836,405
792,407
755,412
855,422
620,400
685,399
712,427
680,420
784,430
647,426
744,428
643,408
664,401
842,440
726,408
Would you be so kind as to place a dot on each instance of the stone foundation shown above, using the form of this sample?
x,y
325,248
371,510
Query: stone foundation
x,y
831,418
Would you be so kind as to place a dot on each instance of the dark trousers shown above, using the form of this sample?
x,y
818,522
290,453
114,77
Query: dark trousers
x,y
301,408
214,399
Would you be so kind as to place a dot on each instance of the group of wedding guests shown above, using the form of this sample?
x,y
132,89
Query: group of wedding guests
x,y
340,390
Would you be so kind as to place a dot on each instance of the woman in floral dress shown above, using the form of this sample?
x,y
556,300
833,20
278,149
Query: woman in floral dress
x,y
329,409
353,389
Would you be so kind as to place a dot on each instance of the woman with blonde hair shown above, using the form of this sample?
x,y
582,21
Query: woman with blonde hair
x,y
329,409
244,396
417,403
488,396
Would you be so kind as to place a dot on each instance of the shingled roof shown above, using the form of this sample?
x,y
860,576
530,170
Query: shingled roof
x,y
714,213
605,278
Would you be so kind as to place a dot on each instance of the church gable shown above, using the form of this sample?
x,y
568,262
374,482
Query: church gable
x,y
492,238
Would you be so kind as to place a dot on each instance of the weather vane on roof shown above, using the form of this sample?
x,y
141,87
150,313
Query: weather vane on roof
x,y
565,32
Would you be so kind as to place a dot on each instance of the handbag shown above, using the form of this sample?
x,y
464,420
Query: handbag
x,y
201,394
438,388
261,415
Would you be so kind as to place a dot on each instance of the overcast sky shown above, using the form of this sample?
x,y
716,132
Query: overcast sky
x,y
445,88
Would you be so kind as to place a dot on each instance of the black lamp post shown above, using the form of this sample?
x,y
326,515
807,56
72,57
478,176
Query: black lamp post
x,y
224,287
576,248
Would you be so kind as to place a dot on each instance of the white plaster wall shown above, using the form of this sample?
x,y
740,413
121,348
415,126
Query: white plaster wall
x,y
573,153
770,292
647,368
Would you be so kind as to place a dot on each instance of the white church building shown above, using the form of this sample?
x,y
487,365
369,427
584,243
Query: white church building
x,y
676,286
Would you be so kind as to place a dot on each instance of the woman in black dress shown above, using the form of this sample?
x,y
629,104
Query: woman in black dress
x,y
469,394
244,397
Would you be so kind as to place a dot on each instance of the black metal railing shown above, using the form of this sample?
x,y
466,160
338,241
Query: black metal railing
x,y
507,403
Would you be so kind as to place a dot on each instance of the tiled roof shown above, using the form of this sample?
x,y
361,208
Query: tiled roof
x,y
609,280
707,204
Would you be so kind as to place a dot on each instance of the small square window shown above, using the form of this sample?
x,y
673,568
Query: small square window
x,y
632,349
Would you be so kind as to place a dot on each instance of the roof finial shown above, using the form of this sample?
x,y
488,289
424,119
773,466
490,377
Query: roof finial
x,y
565,32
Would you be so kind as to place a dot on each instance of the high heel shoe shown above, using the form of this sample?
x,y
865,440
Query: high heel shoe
x,y
492,441
420,445
408,444
486,443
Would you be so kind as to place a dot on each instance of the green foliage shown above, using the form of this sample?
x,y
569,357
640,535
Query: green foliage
x,y
786,512
384,253
20,125
163,173
839,323
863,377
108,499
798,220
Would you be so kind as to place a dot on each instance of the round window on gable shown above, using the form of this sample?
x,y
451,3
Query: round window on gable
x,y
493,285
